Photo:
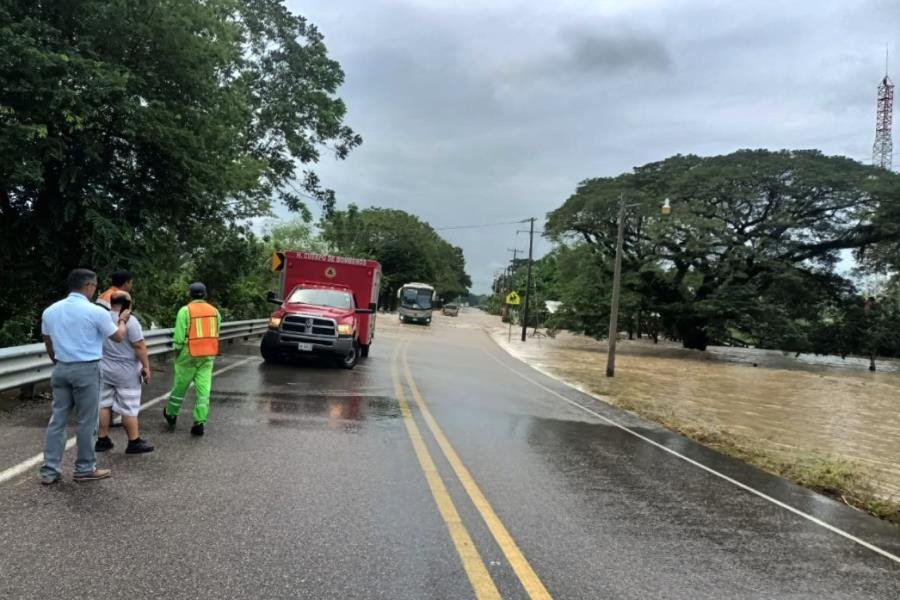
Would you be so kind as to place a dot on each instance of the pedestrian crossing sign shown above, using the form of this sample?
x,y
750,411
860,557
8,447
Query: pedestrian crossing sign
x,y
513,299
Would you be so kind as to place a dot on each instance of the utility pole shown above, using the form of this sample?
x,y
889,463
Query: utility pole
x,y
510,269
614,305
665,211
528,280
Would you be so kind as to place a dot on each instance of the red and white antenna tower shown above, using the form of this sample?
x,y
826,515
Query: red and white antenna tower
x,y
883,149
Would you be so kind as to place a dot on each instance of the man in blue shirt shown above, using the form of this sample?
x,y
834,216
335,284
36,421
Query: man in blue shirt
x,y
74,329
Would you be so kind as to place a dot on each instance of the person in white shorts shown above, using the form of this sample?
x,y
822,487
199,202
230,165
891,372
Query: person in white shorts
x,y
124,366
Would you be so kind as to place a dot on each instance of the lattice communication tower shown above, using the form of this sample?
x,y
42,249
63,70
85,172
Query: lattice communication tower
x,y
883,150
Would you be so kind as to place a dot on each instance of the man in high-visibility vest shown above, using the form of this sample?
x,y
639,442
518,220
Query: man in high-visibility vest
x,y
196,343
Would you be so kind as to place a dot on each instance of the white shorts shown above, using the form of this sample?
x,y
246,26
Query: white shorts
x,y
124,400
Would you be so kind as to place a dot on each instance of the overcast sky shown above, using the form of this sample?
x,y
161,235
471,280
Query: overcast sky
x,y
487,111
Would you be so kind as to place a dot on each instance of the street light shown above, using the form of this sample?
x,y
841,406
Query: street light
x,y
665,210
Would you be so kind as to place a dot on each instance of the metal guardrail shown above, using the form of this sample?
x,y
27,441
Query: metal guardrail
x,y
25,365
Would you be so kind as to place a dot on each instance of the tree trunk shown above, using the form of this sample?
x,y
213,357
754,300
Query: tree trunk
x,y
692,332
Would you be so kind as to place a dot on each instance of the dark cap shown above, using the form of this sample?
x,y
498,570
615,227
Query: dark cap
x,y
197,290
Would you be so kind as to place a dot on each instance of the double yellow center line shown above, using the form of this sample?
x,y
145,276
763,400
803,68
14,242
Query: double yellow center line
x,y
477,572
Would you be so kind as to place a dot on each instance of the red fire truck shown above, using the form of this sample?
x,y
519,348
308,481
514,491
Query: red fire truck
x,y
327,307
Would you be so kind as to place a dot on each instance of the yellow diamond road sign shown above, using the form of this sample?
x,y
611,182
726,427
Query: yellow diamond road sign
x,y
513,298
277,261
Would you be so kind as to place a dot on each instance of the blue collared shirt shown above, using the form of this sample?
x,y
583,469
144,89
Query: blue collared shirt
x,y
77,328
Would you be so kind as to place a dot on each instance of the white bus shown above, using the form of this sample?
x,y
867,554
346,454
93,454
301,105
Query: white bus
x,y
415,302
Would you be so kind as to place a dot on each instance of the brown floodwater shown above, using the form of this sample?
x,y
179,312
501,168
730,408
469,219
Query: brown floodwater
x,y
796,406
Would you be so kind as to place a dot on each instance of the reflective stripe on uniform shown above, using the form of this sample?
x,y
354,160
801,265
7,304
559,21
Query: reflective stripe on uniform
x,y
203,330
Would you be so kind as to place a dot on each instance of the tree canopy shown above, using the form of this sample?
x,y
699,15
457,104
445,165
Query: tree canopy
x,y
134,133
407,248
751,245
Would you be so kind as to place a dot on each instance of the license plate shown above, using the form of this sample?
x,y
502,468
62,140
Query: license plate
x,y
304,347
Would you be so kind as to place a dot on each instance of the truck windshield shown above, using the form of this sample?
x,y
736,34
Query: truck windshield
x,y
331,298
416,298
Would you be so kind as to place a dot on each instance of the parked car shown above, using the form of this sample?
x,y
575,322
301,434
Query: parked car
x,y
451,310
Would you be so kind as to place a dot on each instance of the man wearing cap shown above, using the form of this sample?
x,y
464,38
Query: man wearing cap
x,y
196,343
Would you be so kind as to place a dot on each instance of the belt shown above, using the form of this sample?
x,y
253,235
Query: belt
x,y
76,362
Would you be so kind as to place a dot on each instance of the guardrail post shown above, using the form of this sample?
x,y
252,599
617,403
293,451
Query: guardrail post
x,y
26,392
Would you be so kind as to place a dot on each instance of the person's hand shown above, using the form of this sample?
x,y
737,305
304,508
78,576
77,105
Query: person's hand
x,y
123,316
145,374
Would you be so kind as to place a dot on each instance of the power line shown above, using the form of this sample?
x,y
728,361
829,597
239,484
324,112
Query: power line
x,y
479,225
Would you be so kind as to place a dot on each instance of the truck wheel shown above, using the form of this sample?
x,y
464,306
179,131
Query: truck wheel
x,y
364,350
348,361
269,354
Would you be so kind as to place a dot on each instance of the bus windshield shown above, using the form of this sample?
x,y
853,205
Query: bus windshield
x,y
416,298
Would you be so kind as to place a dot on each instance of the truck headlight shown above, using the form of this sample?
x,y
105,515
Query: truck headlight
x,y
345,329
274,322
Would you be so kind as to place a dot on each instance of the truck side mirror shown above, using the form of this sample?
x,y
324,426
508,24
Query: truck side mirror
x,y
367,311
273,298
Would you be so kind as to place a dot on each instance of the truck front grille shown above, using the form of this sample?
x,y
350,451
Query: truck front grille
x,y
309,326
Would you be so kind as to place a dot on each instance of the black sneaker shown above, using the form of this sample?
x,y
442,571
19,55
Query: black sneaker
x,y
169,418
197,429
138,446
103,444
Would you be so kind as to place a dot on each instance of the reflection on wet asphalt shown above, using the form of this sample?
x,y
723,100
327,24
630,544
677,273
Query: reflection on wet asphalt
x,y
306,486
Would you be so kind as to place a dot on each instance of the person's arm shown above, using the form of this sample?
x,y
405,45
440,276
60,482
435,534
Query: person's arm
x,y
140,350
180,334
136,339
121,330
45,333
48,344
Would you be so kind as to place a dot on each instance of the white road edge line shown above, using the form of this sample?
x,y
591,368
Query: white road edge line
x,y
710,470
35,460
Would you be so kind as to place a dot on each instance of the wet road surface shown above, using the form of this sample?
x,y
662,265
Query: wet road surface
x,y
439,468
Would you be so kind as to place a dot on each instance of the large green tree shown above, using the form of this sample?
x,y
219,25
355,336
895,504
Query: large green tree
x,y
407,248
753,237
135,132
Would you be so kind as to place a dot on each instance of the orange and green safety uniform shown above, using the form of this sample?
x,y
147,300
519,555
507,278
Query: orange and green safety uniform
x,y
196,343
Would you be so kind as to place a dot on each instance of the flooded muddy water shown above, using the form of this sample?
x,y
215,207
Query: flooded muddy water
x,y
793,406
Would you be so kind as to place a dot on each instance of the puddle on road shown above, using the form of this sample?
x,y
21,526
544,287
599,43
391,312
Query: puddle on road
x,y
344,411
791,406
347,408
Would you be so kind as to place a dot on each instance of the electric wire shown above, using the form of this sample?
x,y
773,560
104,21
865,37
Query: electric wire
x,y
479,225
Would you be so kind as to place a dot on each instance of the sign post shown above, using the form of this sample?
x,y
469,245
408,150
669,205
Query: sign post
x,y
512,299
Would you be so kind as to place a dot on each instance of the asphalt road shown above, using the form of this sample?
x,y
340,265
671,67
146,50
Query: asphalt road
x,y
439,468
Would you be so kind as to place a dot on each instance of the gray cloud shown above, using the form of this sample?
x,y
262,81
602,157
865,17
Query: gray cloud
x,y
477,112
604,51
